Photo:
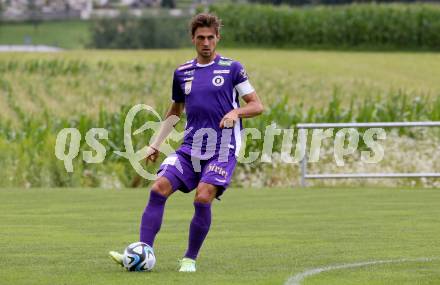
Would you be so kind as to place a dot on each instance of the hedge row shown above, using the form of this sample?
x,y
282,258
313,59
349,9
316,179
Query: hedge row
x,y
126,32
330,2
398,26
368,25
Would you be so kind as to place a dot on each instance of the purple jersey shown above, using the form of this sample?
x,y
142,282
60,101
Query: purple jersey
x,y
209,92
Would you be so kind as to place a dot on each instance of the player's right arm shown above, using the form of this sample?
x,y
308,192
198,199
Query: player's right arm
x,y
171,118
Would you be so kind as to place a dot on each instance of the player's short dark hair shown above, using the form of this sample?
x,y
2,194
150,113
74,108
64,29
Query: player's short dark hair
x,y
205,20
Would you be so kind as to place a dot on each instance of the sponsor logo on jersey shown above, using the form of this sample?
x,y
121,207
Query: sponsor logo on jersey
x,y
188,79
188,85
225,62
185,66
189,72
222,71
218,80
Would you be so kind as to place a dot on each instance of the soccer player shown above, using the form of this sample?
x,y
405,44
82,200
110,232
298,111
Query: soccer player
x,y
208,88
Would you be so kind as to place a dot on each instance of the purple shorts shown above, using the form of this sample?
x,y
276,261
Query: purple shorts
x,y
185,172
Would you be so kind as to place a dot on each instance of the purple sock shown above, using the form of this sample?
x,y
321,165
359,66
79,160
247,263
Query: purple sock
x,y
198,229
152,218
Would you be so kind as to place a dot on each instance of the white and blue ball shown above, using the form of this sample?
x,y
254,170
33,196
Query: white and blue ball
x,y
139,256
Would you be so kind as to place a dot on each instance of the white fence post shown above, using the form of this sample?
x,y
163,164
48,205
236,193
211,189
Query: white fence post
x,y
305,175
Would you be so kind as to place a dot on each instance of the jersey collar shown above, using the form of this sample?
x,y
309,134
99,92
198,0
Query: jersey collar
x,y
217,57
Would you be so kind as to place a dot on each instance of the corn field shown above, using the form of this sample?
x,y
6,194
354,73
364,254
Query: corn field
x,y
42,94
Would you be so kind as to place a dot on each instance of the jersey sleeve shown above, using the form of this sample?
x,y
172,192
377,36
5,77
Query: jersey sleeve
x,y
177,93
240,80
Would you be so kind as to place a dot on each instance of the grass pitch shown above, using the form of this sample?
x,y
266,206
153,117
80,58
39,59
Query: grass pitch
x,y
259,236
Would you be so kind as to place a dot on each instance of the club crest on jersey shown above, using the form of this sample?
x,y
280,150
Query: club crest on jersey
x,y
188,85
218,80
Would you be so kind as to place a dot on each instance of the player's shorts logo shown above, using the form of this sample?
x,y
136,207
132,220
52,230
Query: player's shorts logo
x,y
218,80
217,169
188,85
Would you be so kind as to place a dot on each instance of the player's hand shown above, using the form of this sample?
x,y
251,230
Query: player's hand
x,y
229,120
152,154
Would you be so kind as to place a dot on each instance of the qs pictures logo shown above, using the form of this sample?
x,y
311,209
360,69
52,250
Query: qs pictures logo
x,y
68,149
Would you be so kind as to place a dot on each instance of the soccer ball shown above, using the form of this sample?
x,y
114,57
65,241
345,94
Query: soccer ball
x,y
139,256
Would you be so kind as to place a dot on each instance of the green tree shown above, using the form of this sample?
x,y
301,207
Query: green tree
x,y
34,13
168,4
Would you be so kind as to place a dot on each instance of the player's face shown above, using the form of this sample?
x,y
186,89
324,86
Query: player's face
x,y
205,40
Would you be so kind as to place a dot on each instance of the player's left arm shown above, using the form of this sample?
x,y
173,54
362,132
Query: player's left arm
x,y
253,108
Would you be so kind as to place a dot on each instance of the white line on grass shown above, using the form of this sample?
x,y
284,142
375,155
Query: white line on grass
x,y
296,279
